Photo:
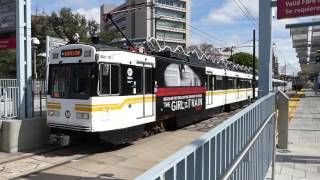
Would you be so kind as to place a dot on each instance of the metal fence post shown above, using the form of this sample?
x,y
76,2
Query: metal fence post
x,y
5,102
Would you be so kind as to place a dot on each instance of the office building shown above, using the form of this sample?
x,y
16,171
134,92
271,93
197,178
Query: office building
x,y
169,21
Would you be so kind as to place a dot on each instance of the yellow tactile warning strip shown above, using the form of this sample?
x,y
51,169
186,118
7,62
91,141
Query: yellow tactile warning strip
x,y
108,107
53,105
293,103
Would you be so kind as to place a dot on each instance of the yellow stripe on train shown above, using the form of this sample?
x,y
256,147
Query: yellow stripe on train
x,y
109,107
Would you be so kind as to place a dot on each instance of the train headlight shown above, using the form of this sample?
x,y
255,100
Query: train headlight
x,y
55,56
53,113
82,115
87,53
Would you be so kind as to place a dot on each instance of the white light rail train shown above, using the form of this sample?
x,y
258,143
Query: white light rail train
x,y
119,94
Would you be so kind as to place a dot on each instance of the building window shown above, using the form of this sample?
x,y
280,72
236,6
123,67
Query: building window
x,y
170,24
170,35
174,3
165,12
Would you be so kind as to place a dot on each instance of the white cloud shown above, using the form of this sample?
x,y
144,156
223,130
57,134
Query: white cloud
x,y
229,12
90,14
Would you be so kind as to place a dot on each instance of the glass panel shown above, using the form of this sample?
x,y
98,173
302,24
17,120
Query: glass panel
x,y
115,74
138,78
72,81
149,81
109,79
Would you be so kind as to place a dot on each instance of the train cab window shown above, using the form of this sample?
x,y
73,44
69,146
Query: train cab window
x,y
109,79
218,83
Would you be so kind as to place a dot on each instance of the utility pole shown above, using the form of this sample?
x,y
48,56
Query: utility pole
x,y
254,65
231,53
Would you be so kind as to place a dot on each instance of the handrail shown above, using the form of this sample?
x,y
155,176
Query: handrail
x,y
246,150
167,164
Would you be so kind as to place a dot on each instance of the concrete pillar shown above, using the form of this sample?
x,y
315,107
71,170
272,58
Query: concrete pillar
x,y
283,120
23,55
265,34
20,52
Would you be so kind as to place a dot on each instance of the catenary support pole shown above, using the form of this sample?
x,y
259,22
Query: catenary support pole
x,y
47,60
265,34
254,65
28,56
20,55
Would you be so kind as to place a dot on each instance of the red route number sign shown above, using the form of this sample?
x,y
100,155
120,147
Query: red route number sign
x,y
7,43
298,8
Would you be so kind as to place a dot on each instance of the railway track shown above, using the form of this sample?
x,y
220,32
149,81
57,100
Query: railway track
x,y
207,125
26,166
50,159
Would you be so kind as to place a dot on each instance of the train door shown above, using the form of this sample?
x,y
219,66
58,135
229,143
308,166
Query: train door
x,y
210,85
148,98
237,87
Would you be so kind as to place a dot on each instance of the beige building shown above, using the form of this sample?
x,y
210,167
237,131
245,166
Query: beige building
x,y
169,21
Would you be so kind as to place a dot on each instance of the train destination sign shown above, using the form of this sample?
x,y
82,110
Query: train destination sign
x,y
298,8
71,53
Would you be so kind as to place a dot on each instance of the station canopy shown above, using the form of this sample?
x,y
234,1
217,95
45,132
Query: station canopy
x,y
306,41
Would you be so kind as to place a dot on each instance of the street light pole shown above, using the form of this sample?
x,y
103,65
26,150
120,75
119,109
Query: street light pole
x,y
35,43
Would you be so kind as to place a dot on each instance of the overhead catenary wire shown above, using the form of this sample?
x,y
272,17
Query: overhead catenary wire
x,y
242,9
221,42
249,13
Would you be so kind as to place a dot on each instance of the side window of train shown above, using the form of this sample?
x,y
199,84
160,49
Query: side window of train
x,y
213,83
209,83
219,83
138,80
109,79
149,81
230,83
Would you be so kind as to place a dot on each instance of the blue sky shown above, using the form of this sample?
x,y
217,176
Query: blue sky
x,y
221,19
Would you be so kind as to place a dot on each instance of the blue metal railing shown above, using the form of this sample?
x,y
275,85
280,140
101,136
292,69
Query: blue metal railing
x,y
240,148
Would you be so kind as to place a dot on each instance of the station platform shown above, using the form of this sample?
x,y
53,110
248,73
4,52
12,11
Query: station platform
x,y
302,160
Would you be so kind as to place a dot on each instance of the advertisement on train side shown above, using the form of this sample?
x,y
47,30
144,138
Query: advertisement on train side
x,y
180,88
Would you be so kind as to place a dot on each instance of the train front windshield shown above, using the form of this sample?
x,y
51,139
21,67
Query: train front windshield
x,y
73,81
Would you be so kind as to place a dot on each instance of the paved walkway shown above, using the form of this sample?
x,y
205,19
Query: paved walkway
x,y
303,159
121,164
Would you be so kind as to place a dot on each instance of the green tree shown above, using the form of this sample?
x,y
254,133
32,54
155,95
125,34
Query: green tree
x,y
7,63
62,24
205,48
243,58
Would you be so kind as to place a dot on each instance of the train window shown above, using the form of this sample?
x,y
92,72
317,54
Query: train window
x,y
115,74
219,83
109,81
209,83
213,80
230,83
149,81
138,80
